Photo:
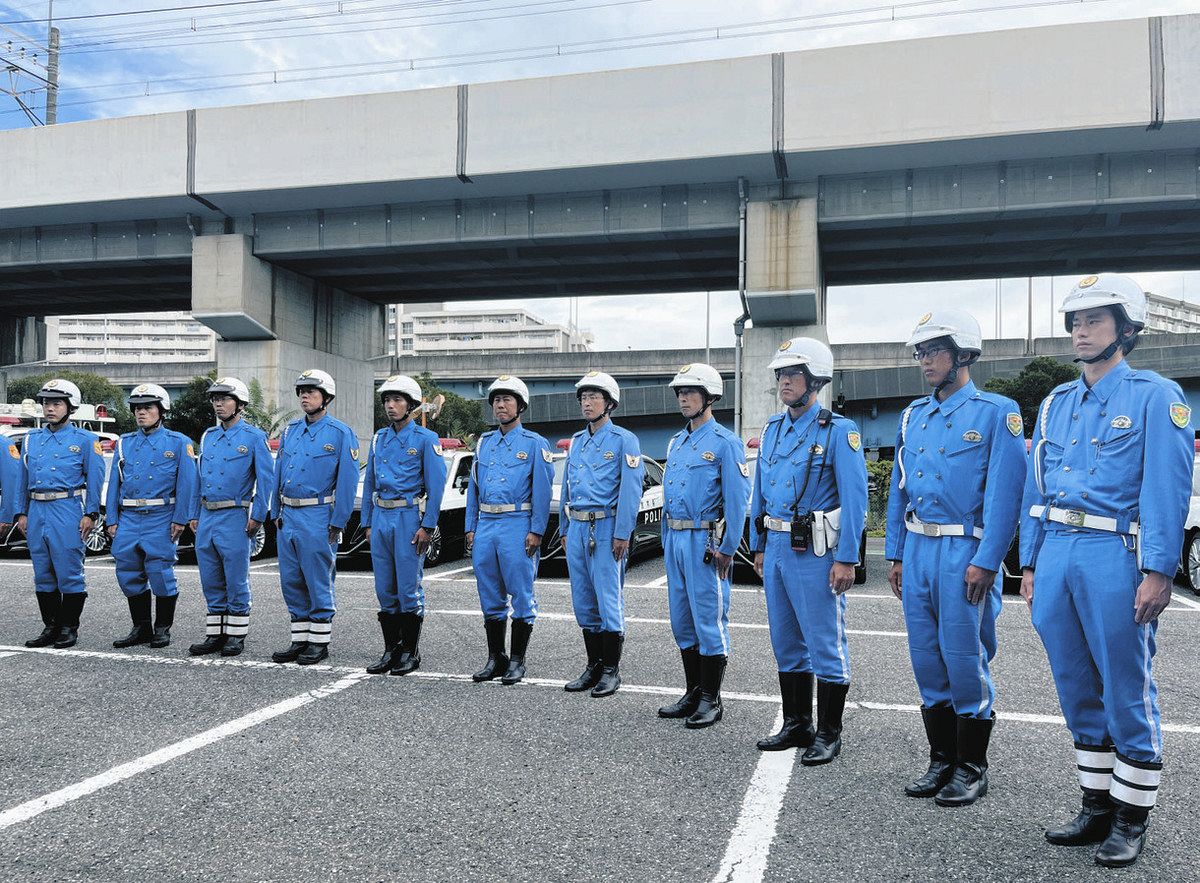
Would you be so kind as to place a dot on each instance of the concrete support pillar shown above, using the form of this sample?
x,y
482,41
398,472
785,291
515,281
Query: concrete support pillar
x,y
273,323
785,290
22,340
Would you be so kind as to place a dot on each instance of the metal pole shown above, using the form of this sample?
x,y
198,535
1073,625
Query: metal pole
x,y
739,324
1029,314
51,68
707,327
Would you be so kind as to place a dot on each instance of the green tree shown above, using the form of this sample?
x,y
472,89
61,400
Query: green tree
x,y
267,416
94,388
459,418
191,412
1032,385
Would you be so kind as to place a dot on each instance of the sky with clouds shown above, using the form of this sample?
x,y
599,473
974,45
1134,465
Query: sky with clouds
x,y
253,51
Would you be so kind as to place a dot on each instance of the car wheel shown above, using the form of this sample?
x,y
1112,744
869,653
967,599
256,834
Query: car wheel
x,y
97,542
433,555
258,543
1193,562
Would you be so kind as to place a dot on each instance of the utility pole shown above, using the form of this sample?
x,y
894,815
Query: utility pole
x,y
51,68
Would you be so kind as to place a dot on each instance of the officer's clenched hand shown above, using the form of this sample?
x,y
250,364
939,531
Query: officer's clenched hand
x,y
469,540
252,527
1153,596
421,540
367,534
979,583
620,549
758,564
23,524
335,536
176,532
533,542
1027,587
112,531
841,577
723,563
194,524
896,577
85,527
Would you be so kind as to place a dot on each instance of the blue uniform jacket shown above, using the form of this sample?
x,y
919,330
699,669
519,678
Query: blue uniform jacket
x,y
157,466
706,477
66,460
516,467
604,471
962,462
804,467
10,473
405,464
1116,450
318,459
236,464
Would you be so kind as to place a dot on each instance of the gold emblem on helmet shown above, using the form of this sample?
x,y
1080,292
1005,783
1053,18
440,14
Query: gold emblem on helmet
x,y
925,318
307,373
51,384
393,378
786,345
685,369
1088,281
592,374
141,388
502,377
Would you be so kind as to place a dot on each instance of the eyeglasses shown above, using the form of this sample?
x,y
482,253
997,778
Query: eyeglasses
x,y
591,397
929,353
794,371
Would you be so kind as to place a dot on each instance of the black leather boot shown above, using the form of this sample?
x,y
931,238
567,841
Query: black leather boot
x,y
708,709
685,706
610,672
164,618
1090,826
389,624
139,612
1126,838
969,781
831,702
410,639
299,641
48,605
941,729
796,691
316,651
592,642
521,631
234,645
210,644
497,661
68,619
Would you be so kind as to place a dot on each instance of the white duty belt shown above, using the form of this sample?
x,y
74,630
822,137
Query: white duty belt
x,y
916,525
302,502
1076,518
780,525
598,515
48,496
145,504
212,505
502,508
689,524
400,503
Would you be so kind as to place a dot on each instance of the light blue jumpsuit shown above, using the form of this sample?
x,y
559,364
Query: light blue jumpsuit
x,y
236,467
10,459
706,479
152,485
960,462
316,483
405,465
512,469
804,467
1116,451
603,475
69,460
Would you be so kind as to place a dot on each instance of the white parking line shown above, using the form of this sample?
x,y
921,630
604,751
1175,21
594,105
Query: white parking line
x,y
749,845
1190,603
444,573
9,653
661,581
29,809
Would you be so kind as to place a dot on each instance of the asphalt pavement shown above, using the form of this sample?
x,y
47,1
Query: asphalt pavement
x,y
150,765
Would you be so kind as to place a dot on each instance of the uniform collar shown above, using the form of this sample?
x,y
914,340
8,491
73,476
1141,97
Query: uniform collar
x,y
952,404
316,425
1107,385
708,426
801,423
391,433
505,438
597,436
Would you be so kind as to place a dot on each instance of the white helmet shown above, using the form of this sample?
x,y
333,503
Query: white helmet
x,y
606,383
150,394
512,385
960,326
1106,290
404,385
232,387
315,377
705,377
61,389
815,356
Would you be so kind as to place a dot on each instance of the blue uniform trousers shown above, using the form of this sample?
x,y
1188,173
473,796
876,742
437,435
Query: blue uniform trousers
x,y
699,600
503,572
807,620
397,566
951,642
597,581
307,564
55,546
223,554
1083,594
144,554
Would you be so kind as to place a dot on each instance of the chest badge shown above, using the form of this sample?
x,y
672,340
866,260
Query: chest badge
x,y
412,452
329,448
74,449
1181,414
1121,422
816,450
609,455
709,456
242,449
521,455
170,455
1014,424
972,435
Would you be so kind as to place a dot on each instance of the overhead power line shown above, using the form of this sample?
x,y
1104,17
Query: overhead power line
x,y
93,15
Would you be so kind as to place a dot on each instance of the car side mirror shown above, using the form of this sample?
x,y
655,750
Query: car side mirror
x,y
460,483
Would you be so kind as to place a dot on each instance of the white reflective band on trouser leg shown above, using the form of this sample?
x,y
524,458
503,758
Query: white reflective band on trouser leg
x,y
1095,767
319,632
237,626
212,626
1135,785
300,631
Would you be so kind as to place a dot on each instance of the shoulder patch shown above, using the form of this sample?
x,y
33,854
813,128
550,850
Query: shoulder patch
x,y
1014,424
354,453
97,447
16,455
1181,414
546,455
191,449
437,449
632,462
744,468
854,440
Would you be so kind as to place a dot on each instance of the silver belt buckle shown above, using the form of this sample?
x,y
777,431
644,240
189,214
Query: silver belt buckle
x,y
140,502
1074,517
931,530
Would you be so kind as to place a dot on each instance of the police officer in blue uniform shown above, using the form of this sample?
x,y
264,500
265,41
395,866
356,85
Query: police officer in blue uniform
x,y
706,492
952,511
152,495
808,510
1102,520
52,490
508,506
316,482
598,510
237,480
402,496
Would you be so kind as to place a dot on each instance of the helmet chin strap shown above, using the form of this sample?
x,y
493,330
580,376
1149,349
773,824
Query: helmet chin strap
x,y
63,419
951,375
707,404
1107,352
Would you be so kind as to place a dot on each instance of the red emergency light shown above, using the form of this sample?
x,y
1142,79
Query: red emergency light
x,y
564,444
450,444
102,411
108,445
273,444
10,421
753,443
